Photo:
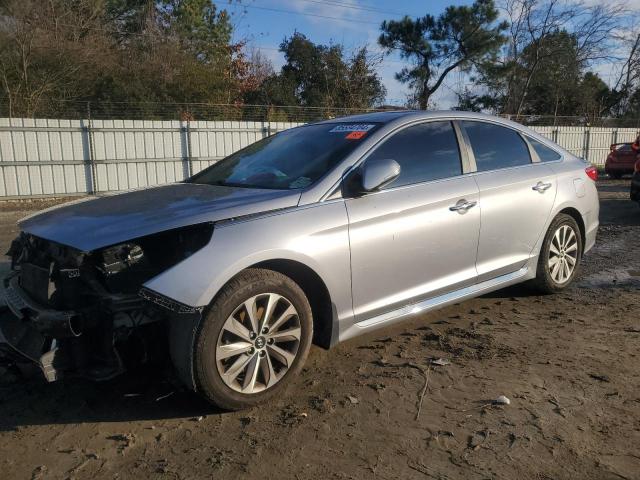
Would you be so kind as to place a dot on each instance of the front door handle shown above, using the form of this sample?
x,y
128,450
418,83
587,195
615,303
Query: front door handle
x,y
541,187
462,206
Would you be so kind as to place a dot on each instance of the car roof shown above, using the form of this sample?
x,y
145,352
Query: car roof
x,y
397,118
411,115
377,117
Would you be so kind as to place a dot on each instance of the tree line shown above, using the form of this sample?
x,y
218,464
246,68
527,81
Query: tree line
x,y
518,57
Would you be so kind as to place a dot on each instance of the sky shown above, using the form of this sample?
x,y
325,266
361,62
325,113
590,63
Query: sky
x,y
353,23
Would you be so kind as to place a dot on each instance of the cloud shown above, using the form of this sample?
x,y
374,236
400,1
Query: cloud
x,y
631,4
342,16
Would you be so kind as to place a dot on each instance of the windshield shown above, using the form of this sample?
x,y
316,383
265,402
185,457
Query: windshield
x,y
291,159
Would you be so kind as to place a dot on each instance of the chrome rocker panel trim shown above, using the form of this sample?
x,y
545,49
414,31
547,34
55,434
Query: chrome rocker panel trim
x,y
434,303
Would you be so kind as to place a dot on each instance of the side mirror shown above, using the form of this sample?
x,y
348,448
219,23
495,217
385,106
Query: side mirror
x,y
379,172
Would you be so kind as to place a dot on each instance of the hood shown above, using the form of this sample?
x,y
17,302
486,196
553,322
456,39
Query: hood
x,y
113,219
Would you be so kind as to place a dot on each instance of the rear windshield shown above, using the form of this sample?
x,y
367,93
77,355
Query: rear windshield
x,y
292,159
624,147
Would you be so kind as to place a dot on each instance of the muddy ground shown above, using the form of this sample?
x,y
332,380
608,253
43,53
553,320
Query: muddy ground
x,y
568,363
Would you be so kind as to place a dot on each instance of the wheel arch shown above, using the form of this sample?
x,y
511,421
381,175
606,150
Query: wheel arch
x,y
183,329
324,316
575,214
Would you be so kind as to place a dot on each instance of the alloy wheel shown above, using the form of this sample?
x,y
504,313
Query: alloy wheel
x,y
563,254
258,343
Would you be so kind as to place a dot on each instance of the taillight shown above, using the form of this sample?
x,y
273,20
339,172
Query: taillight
x,y
636,167
592,173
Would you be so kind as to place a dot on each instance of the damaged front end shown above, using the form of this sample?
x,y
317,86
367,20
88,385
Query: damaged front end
x,y
87,313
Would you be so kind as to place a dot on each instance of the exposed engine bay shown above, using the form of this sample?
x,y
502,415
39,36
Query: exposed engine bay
x,y
87,313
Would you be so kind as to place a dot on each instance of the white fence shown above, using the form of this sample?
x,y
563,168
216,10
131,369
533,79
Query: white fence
x,y
590,143
67,157
77,157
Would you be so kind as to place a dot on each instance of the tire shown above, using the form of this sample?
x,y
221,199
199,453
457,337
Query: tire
x,y
235,366
549,279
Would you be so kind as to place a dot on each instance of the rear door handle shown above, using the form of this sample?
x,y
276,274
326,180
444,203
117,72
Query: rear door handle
x,y
541,187
462,206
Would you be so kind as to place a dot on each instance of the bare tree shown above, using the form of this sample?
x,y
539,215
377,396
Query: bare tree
x,y
628,65
37,42
532,21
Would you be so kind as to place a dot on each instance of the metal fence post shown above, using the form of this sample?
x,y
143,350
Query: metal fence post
x,y
187,139
586,143
92,154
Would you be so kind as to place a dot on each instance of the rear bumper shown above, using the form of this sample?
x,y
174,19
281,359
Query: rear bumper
x,y
621,168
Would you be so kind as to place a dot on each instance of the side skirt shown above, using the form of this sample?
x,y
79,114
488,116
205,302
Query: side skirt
x,y
434,303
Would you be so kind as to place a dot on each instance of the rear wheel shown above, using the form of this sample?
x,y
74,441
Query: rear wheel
x,y
254,339
560,255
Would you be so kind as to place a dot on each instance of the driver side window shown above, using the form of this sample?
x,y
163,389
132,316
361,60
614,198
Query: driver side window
x,y
427,151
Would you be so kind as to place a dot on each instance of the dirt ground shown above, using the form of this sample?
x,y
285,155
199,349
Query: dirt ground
x,y
377,407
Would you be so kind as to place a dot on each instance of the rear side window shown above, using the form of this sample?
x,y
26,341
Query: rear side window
x,y
624,148
496,147
425,152
545,154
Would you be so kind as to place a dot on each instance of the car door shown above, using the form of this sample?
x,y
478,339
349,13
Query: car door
x,y
516,197
412,240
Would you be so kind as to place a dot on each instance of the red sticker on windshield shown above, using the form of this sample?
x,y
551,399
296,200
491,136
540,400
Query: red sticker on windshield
x,y
355,135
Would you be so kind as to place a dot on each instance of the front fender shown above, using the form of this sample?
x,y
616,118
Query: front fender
x,y
315,235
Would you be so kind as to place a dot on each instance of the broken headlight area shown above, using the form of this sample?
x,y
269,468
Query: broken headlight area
x,y
85,311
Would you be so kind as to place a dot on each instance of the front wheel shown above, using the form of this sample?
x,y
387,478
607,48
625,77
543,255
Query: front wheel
x,y
253,340
560,255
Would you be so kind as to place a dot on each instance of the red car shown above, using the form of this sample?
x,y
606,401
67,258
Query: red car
x,y
621,160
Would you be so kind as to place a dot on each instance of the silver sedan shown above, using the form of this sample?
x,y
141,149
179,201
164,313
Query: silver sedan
x,y
316,234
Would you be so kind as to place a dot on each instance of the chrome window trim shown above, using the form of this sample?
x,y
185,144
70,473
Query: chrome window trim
x,y
466,154
532,151
471,158
530,165
455,118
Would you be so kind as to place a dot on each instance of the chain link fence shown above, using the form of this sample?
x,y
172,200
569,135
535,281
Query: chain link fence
x,y
181,111
97,148
71,110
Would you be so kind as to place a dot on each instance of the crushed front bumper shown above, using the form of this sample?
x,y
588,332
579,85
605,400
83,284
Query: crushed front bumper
x,y
20,341
23,332
56,323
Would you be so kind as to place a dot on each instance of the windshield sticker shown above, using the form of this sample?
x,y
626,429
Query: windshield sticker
x,y
355,135
356,127
300,182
